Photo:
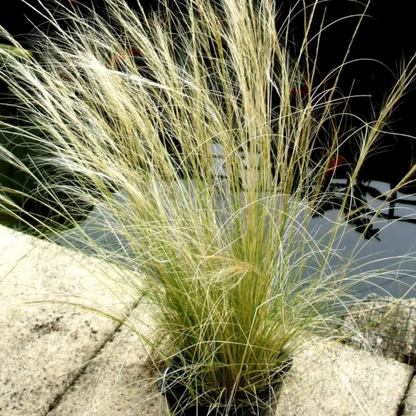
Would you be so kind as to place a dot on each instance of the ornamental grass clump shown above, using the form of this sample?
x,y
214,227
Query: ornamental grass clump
x,y
182,129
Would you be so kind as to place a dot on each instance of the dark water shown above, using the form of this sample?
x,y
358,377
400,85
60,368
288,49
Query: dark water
x,y
388,257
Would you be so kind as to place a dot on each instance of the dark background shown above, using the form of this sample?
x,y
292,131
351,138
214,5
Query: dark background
x,y
384,41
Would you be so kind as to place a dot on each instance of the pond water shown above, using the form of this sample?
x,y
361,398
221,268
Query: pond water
x,y
390,255
393,249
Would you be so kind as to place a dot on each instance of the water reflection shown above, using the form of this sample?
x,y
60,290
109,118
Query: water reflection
x,y
384,242
384,247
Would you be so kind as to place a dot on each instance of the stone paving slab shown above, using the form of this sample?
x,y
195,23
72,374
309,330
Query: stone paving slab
x,y
60,360
409,405
121,381
44,346
338,380
327,379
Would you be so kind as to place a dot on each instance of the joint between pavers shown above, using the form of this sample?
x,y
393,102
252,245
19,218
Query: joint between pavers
x,y
57,400
401,409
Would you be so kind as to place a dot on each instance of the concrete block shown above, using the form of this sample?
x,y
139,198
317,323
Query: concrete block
x,y
120,381
326,380
45,340
409,405
337,380
61,360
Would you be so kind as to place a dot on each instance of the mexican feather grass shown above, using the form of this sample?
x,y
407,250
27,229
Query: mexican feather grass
x,y
182,128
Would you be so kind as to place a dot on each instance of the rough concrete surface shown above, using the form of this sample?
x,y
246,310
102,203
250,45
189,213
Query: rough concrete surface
x,y
61,360
409,405
120,381
326,380
44,346
331,379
